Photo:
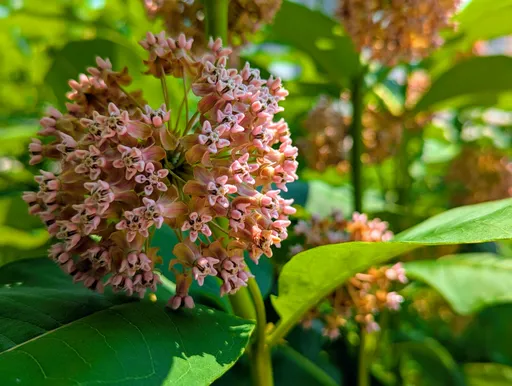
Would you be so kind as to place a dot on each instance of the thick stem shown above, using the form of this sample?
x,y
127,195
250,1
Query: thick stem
x,y
260,353
357,146
363,375
242,304
216,19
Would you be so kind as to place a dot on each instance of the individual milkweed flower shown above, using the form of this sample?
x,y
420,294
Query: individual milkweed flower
x,y
366,294
396,31
126,169
152,179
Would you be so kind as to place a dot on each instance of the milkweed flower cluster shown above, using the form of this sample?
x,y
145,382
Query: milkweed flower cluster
x,y
122,169
394,31
366,294
480,175
328,141
245,17
327,126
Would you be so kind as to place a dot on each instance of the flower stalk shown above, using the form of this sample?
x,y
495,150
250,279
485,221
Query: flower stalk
x,y
216,19
356,130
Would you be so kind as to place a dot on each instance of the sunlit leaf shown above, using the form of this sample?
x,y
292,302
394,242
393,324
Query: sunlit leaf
x,y
454,277
313,274
55,332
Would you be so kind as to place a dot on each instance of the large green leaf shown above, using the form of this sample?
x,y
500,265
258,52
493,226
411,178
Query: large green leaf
x,y
313,274
334,54
468,79
487,374
57,333
455,276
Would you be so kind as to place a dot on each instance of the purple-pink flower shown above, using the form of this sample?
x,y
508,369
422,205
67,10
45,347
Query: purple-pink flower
x,y
126,168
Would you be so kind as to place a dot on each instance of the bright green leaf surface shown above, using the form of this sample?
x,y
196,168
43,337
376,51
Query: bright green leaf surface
x,y
471,77
57,333
483,20
487,374
313,274
468,282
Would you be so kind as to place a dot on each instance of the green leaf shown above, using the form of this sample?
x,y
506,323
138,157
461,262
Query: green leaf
x,y
437,365
311,275
454,277
333,53
487,374
55,333
21,235
483,20
263,274
14,139
468,79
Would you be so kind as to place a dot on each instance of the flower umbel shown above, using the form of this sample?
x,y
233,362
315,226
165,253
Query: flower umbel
x,y
125,169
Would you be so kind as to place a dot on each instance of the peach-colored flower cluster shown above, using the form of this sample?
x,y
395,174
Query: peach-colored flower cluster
x,y
122,169
479,175
394,31
366,294
245,17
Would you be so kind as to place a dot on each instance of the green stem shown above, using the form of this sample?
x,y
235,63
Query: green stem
x,y
242,304
261,359
403,169
357,146
281,330
363,375
305,364
216,19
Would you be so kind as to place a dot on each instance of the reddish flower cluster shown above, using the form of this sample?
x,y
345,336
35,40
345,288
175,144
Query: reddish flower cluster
x,y
123,170
362,296
245,17
394,31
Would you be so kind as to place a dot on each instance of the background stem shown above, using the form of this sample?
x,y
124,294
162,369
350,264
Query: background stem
x,y
363,376
216,19
357,146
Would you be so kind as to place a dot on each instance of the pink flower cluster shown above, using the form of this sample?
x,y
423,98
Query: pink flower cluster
x,y
363,296
122,169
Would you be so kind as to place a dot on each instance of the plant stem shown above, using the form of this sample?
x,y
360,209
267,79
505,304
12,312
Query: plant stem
x,y
281,330
216,19
403,169
260,353
357,146
242,304
304,363
363,376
